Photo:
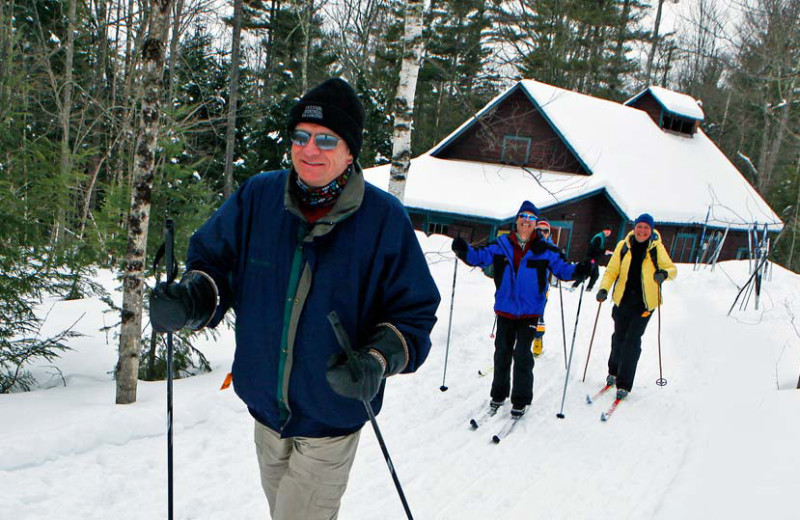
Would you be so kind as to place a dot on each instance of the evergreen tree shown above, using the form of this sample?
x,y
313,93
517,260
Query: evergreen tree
x,y
580,45
454,81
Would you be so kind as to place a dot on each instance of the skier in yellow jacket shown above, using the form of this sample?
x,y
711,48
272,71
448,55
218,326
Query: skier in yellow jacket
x,y
639,257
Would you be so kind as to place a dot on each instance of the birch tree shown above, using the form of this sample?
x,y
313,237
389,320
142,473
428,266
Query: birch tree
x,y
404,101
153,57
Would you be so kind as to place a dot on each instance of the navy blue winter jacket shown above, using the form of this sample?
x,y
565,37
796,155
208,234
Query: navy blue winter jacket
x,y
282,276
524,292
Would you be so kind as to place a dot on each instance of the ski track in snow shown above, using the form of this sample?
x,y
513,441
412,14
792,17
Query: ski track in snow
x,y
719,441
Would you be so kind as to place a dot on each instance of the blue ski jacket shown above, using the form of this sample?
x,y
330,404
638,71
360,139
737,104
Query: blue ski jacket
x,y
283,275
523,292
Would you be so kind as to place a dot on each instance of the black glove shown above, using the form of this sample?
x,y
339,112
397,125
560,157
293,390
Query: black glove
x,y
660,275
189,303
602,295
583,269
460,248
359,378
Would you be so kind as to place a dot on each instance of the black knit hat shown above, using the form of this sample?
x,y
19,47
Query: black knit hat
x,y
335,105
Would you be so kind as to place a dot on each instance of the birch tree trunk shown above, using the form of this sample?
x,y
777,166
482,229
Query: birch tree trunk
x,y
230,133
305,25
139,216
404,101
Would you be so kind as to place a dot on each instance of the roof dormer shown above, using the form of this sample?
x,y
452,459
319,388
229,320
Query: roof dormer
x,y
671,111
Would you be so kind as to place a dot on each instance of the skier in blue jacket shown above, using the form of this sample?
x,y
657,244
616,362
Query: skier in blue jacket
x,y
284,251
522,260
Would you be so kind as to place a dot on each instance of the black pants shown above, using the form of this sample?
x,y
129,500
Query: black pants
x,y
513,341
630,322
593,275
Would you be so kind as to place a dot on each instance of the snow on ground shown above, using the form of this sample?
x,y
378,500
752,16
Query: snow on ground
x,y
719,441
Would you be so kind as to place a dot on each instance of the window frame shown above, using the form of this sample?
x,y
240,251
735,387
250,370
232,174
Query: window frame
x,y
528,142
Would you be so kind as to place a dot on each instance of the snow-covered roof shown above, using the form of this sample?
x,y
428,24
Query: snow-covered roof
x,y
674,102
642,168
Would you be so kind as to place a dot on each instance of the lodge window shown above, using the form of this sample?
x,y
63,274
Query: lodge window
x,y
435,228
677,124
516,150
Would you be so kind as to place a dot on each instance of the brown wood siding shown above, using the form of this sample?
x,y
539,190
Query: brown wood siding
x,y
516,116
588,216
669,237
649,104
733,242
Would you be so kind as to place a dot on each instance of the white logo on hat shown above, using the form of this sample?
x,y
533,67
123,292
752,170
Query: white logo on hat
x,y
312,112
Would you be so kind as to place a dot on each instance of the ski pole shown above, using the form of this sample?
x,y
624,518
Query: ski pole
x,y
660,381
591,341
560,415
745,286
494,325
563,327
443,388
169,260
354,366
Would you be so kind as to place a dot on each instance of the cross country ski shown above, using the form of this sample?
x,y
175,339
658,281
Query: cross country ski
x,y
591,398
507,428
607,414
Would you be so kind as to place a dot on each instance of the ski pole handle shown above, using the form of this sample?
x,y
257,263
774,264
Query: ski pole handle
x,y
353,362
169,250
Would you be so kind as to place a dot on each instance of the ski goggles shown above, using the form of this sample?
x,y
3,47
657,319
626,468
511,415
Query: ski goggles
x,y
324,141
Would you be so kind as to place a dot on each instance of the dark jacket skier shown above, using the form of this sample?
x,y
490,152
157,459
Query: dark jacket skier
x,y
284,251
597,249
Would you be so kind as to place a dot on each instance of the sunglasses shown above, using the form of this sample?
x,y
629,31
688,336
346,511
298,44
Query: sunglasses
x,y
544,231
527,216
323,141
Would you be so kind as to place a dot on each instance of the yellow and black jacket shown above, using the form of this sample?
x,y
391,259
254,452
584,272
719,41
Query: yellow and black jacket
x,y
617,270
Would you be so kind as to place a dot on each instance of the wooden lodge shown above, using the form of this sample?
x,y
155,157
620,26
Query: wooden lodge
x,y
584,162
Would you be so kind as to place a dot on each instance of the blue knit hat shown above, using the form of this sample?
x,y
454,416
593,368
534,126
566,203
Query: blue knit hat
x,y
647,218
528,207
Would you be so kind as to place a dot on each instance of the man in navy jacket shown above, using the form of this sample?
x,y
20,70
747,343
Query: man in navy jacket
x,y
522,260
284,251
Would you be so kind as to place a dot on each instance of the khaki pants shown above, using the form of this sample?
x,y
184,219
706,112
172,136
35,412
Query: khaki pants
x,y
304,478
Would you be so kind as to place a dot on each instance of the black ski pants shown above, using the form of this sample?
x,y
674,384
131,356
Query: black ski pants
x,y
513,342
594,274
630,322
